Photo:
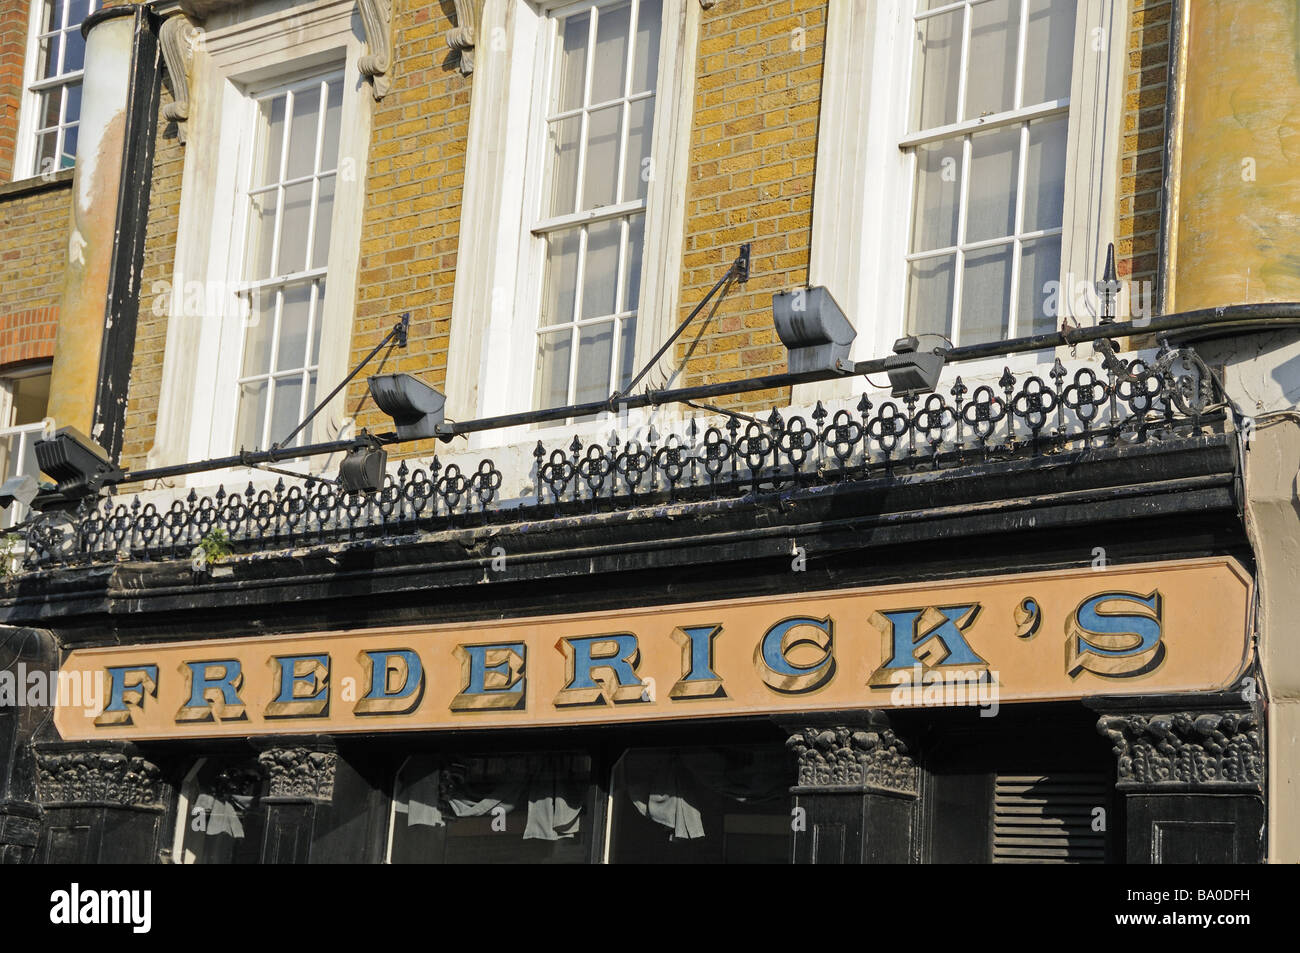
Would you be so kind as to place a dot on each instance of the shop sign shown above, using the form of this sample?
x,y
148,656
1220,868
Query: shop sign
x,y
1153,628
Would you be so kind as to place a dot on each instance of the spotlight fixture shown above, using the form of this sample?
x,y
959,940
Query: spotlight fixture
x,y
813,329
20,489
76,463
362,469
913,372
415,407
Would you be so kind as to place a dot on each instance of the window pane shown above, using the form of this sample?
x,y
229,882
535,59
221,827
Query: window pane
x,y
317,314
636,171
561,277
47,57
74,51
51,104
47,144
554,351
252,412
69,153
929,296
609,67
51,16
595,357
938,188
601,176
938,70
286,408
986,296
273,115
627,353
995,162
293,328
635,252
302,132
572,62
515,808
257,335
72,110
994,38
645,63
296,227
702,805
1045,182
261,235
324,214
1049,50
329,156
78,10
31,396
600,272
565,135
1040,268
226,794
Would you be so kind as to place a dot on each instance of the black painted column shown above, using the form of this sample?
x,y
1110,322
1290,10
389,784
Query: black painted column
x,y
1192,784
857,792
23,652
104,802
300,788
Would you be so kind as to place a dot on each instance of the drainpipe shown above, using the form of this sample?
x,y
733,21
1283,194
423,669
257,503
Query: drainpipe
x,y
110,209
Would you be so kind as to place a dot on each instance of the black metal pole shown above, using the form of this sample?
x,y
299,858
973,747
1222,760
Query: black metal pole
x,y
1250,317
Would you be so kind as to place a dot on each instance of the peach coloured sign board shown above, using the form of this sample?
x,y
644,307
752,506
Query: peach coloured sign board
x,y
1153,628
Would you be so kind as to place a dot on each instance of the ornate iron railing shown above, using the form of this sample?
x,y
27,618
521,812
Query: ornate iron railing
x,y
1173,394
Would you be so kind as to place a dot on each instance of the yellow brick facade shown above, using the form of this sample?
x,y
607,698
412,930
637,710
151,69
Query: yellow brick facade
x,y
752,158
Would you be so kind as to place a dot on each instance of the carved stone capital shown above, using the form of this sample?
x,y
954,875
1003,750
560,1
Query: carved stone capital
x,y
377,21
868,758
1181,750
463,36
99,776
177,38
299,771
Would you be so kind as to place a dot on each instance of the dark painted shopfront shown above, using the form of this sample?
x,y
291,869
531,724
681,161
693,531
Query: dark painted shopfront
x,y
1008,625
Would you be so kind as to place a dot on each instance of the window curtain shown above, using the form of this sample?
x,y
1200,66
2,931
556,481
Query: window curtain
x,y
668,786
224,813
428,792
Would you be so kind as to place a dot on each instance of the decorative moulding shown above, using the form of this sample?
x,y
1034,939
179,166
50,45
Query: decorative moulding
x,y
867,758
177,38
376,22
1197,750
462,36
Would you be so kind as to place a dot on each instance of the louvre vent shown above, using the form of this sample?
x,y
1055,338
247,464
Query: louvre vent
x,y
1048,819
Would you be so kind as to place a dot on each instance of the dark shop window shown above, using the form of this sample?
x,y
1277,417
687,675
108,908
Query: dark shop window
x,y
223,816
702,805
517,808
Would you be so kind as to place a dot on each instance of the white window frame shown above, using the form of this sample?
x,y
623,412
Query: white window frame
x,y
309,274
496,299
864,187
243,49
28,122
25,434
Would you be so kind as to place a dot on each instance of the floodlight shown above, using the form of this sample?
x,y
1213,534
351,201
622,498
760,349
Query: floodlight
x,y
415,407
913,372
813,329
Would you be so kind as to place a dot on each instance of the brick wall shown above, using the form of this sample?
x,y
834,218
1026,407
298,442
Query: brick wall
x,y
753,151
412,214
13,49
156,276
1142,165
33,242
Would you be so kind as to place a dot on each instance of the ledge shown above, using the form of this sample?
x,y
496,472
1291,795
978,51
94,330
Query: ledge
x,y
36,184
